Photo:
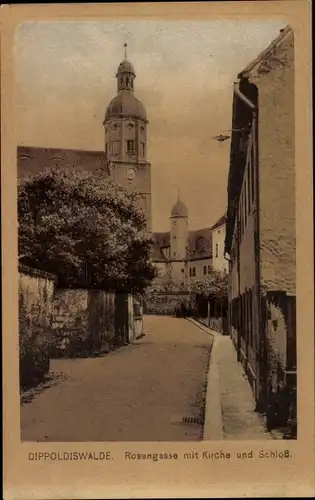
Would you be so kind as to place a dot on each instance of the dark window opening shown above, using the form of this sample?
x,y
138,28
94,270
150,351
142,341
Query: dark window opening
x,y
131,147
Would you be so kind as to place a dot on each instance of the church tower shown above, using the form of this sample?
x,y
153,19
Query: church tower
x,y
179,241
125,127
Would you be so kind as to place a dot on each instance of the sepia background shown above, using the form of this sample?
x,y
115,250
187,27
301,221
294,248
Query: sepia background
x,y
65,78
87,480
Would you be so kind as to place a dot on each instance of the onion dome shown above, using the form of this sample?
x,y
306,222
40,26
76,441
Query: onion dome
x,y
179,209
125,104
125,67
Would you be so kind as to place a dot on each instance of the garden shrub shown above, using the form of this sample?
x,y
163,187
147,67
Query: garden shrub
x,y
34,360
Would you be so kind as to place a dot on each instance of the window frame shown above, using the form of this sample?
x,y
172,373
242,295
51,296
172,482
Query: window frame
x,y
131,151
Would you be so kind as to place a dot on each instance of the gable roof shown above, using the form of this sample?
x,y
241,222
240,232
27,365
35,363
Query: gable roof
x,y
199,244
157,255
266,52
162,240
33,160
220,222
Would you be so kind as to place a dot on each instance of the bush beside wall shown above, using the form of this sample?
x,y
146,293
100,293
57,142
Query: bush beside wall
x,y
36,290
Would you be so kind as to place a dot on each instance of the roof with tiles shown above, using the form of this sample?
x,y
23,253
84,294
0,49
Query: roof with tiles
x,y
33,160
220,222
287,31
199,244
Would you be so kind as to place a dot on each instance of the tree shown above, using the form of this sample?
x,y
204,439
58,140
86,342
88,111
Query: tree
x,y
85,229
213,288
214,284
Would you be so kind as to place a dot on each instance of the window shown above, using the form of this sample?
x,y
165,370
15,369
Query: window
x,y
216,250
161,271
194,271
190,271
131,147
142,149
209,269
204,270
115,147
225,271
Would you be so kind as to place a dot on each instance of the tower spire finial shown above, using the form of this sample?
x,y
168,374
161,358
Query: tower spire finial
x,y
125,51
178,192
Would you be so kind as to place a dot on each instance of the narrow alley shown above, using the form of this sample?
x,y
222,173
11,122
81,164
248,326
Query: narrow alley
x,y
141,392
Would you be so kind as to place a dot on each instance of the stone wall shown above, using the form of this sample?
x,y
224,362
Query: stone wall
x,y
91,321
36,289
164,303
277,171
83,321
219,325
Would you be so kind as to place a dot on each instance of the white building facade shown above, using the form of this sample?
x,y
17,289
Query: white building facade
x,y
219,261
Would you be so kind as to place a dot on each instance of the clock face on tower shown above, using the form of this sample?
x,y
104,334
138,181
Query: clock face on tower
x,y
130,174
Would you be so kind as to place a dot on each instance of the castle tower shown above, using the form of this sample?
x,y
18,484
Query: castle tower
x,y
125,127
179,242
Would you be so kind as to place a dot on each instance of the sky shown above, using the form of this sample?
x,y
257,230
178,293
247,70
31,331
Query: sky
x,y
65,78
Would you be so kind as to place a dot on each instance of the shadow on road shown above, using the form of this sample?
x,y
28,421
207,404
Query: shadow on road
x,y
51,380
